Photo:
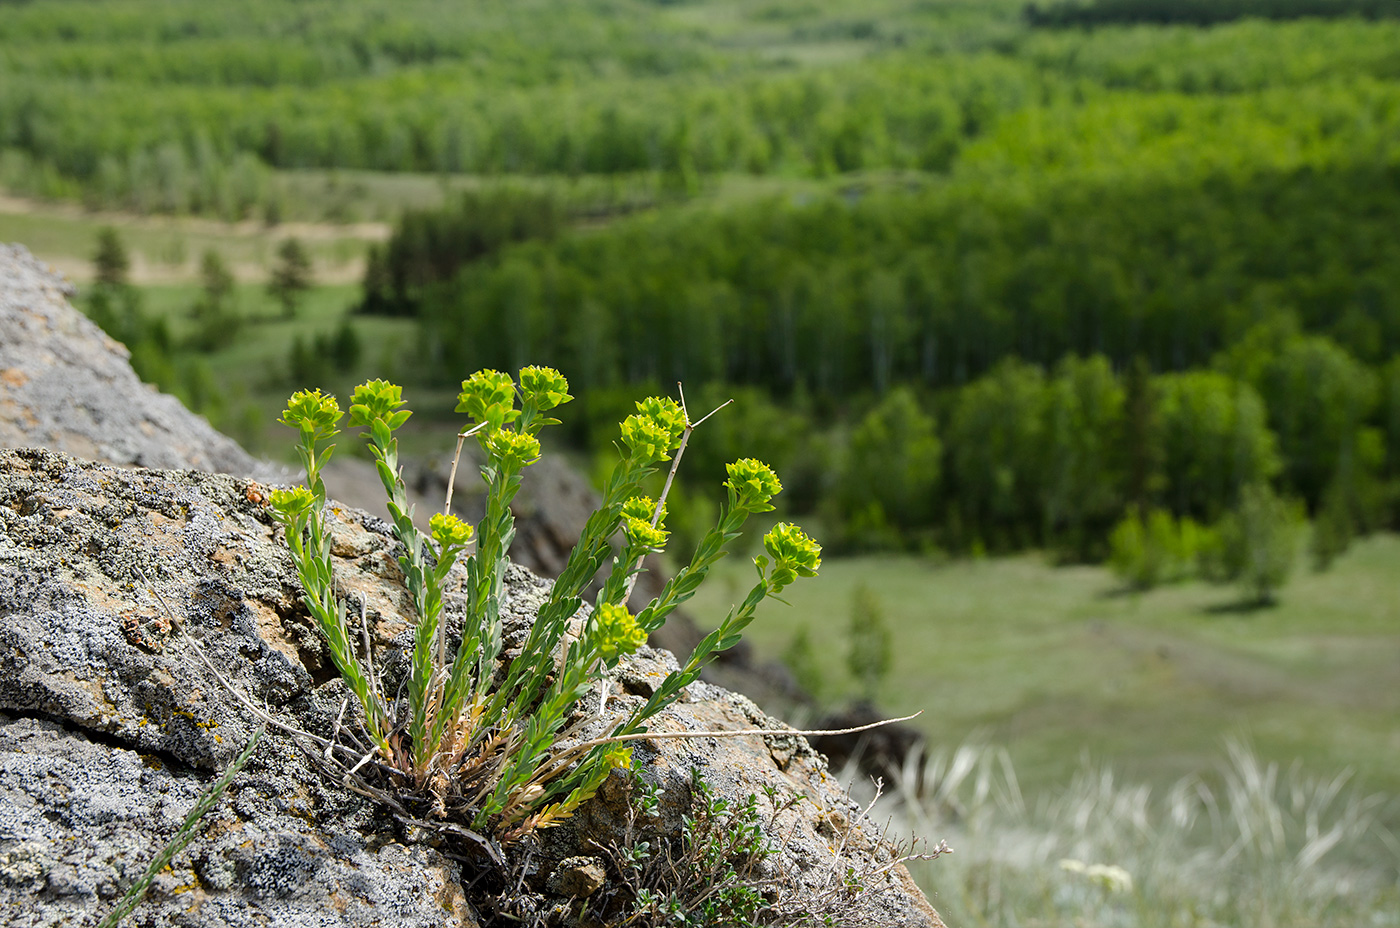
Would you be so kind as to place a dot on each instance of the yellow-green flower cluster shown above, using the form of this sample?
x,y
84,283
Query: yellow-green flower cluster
x,y
545,386
489,397
636,524
449,531
293,503
794,554
617,632
512,449
618,758
753,484
654,430
665,412
316,415
378,401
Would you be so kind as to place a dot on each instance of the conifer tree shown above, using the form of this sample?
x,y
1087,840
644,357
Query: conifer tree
x,y
291,276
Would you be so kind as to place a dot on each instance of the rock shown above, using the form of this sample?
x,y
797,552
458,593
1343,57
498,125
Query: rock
x,y
109,730
578,877
65,385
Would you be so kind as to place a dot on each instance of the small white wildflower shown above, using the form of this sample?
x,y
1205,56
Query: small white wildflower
x,y
1111,877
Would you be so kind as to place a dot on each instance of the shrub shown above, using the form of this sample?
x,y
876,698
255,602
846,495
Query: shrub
x,y
1158,549
1259,542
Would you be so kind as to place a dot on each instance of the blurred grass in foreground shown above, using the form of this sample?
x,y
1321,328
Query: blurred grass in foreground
x,y
1245,844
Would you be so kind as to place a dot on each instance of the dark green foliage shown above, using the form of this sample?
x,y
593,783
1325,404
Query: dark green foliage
x,y
1198,12
1155,548
217,321
800,658
216,279
937,286
782,434
115,305
1319,398
1332,531
429,246
887,484
1215,438
344,347
996,441
327,359
1141,452
1084,484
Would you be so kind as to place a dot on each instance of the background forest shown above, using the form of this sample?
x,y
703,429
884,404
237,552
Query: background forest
x,y
1073,328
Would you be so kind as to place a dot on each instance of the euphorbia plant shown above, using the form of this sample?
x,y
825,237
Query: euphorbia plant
x,y
481,739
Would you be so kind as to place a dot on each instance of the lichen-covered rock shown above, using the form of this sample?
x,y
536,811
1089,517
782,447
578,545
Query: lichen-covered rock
x,y
109,729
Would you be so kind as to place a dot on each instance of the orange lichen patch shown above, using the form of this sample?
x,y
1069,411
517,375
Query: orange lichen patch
x,y
102,710
222,825
102,597
13,377
270,630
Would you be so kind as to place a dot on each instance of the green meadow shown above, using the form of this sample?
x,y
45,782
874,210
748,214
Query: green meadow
x,y
1061,664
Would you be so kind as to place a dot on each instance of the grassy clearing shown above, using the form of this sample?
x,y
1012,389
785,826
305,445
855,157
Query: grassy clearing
x,y
167,250
337,214
1057,665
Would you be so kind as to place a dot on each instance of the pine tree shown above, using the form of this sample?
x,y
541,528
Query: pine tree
x,y
111,264
291,276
